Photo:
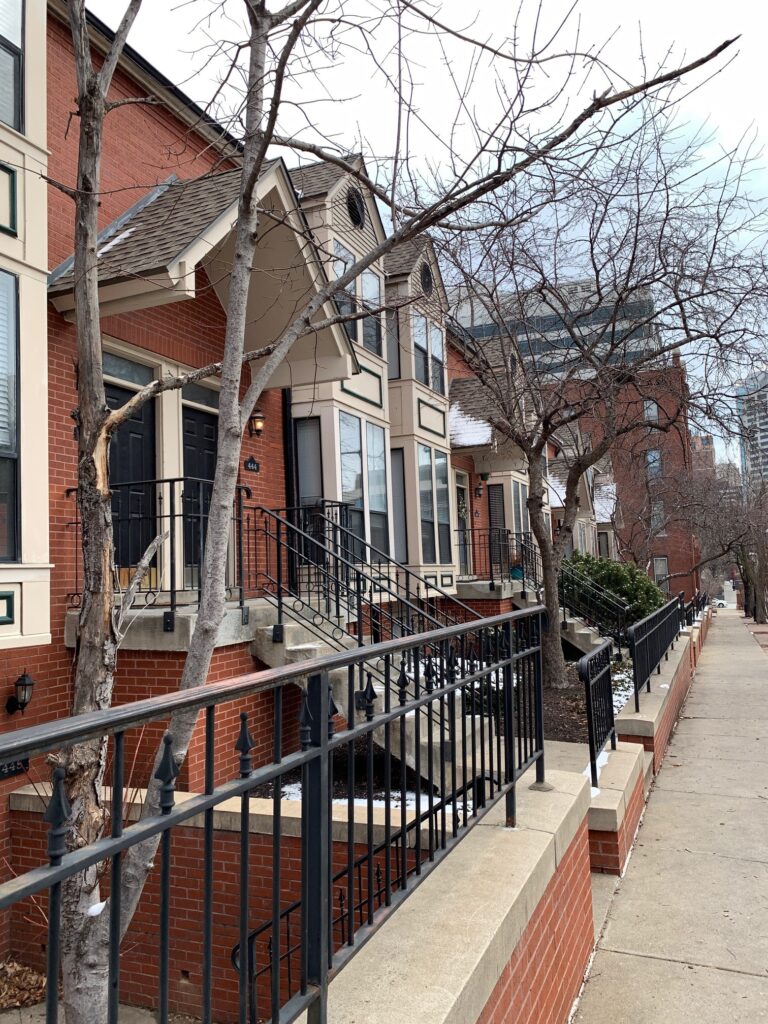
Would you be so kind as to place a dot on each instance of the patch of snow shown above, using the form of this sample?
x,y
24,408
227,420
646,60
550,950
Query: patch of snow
x,y
119,237
602,761
466,431
95,909
594,791
292,791
605,502
664,686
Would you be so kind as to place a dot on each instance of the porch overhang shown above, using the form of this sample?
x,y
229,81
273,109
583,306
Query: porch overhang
x,y
287,273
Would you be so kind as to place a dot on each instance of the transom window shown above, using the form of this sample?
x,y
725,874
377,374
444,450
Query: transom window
x,y
11,62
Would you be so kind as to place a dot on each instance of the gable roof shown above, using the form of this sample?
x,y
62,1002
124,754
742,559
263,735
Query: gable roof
x,y
158,228
315,179
404,257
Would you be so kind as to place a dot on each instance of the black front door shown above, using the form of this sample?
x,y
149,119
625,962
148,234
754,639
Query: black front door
x,y
200,435
131,477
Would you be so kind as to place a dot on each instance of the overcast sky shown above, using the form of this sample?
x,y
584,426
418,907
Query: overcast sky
x,y
169,34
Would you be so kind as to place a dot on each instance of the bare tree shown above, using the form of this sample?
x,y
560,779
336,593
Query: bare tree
x,y
618,308
285,50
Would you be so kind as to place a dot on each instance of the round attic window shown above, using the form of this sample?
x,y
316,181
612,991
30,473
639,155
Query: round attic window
x,y
427,282
356,207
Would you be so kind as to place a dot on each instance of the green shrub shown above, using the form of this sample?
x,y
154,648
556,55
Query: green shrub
x,y
630,584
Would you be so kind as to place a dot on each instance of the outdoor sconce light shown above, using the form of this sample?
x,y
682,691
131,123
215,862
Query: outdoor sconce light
x,y
479,491
256,423
23,695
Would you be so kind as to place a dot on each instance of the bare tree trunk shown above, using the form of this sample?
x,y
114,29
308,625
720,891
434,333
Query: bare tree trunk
x,y
138,860
553,659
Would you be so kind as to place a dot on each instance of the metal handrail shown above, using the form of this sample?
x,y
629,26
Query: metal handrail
x,y
509,677
595,673
382,558
650,640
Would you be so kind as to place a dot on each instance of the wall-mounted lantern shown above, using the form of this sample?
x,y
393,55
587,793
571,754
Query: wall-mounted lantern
x,y
22,696
256,423
479,491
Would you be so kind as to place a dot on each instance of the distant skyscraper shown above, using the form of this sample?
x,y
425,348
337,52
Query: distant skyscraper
x,y
752,411
703,454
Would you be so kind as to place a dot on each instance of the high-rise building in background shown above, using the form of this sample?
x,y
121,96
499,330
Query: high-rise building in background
x,y
752,412
703,454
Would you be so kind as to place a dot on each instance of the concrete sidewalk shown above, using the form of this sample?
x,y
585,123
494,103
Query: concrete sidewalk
x,y
686,937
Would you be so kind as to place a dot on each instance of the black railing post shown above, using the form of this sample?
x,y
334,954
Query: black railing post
x,y
56,816
171,624
318,833
277,629
509,727
240,556
538,684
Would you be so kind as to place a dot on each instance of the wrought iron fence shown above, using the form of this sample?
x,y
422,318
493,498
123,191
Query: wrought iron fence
x,y
498,556
429,716
174,511
649,642
595,673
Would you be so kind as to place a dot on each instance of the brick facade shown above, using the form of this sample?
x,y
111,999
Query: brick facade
x,y
543,977
608,851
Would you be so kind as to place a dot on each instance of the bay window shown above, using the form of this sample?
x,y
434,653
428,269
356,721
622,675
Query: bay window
x,y
11,62
371,287
345,297
377,486
351,452
426,505
443,507
434,506
437,364
420,352
9,448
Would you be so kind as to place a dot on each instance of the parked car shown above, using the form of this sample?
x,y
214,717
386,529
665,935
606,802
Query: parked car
x,y
719,603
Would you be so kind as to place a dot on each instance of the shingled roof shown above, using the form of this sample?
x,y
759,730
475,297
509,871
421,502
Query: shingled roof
x,y
404,257
315,179
156,230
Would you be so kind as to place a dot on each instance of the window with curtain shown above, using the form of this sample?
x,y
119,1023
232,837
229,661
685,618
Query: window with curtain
x,y
371,288
420,352
8,417
443,507
351,453
437,365
651,410
377,486
426,506
345,298
524,508
11,62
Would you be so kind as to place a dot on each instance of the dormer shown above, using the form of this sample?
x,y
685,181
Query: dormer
x,y
345,224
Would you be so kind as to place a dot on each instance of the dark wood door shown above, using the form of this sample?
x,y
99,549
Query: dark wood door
x,y
200,432
132,466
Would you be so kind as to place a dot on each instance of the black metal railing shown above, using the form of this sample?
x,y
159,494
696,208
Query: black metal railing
x,y
595,673
498,658
649,642
599,607
501,556
176,511
339,585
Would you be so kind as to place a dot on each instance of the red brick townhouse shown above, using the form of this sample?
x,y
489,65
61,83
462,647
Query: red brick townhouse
x,y
353,435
